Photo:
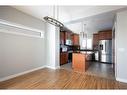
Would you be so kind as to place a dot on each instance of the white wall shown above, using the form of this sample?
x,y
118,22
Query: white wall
x,y
121,46
19,53
13,15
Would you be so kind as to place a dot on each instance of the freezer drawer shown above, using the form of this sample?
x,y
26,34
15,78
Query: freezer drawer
x,y
106,58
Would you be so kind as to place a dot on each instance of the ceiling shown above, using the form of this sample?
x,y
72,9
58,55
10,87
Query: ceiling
x,y
95,17
93,24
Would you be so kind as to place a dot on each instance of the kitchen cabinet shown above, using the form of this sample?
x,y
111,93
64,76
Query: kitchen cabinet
x,y
79,62
75,39
62,38
68,35
69,38
66,38
109,35
63,58
95,39
105,35
101,35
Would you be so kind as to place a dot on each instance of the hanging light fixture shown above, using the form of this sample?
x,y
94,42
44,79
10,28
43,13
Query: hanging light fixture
x,y
53,21
84,37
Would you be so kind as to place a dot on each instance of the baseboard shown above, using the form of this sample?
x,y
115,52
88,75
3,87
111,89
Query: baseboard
x,y
121,80
19,74
53,67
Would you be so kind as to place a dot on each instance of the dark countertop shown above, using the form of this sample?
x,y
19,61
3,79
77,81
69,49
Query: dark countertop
x,y
79,50
86,50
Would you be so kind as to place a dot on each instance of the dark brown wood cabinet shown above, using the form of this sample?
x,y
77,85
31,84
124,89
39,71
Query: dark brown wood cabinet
x,y
109,35
75,39
62,38
79,62
101,35
63,58
95,39
68,35
105,35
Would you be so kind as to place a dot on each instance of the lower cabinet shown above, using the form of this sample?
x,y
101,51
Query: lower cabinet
x,y
79,62
63,58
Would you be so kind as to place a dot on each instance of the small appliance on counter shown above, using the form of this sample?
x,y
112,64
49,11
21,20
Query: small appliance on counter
x,y
68,42
63,48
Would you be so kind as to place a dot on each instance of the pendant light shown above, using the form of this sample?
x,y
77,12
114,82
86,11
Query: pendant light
x,y
83,35
54,21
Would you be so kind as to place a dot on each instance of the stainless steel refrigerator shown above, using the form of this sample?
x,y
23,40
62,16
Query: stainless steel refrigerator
x,y
105,51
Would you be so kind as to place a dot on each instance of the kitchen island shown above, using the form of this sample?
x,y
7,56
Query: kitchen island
x,y
79,62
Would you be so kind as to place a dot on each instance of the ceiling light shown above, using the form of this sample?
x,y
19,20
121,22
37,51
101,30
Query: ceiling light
x,y
53,21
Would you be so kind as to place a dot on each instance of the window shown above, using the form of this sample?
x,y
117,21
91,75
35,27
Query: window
x,y
89,43
86,43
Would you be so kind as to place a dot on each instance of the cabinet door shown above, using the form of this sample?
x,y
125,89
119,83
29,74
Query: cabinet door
x,y
109,35
78,62
63,58
95,39
102,35
62,38
68,35
75,39
105,35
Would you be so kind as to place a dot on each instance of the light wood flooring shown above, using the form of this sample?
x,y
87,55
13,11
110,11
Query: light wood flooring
x,y
60,79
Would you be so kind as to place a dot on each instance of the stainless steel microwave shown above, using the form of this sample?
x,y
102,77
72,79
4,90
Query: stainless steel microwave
x,y
68,42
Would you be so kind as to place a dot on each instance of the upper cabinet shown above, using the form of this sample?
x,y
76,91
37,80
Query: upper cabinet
x,y
101,35
68,35
62,38
69,38
109,34
105,35
66,38
95,39
75,39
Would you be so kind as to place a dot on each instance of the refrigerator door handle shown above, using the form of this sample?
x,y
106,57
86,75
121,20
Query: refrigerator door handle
x,y
105,47
101,47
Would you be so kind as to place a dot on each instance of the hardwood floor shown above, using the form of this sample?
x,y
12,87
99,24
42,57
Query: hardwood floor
x,y
101,70
60,79
95,69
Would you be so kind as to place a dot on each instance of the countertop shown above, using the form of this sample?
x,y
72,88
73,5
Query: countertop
x,y
86,50
80,50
